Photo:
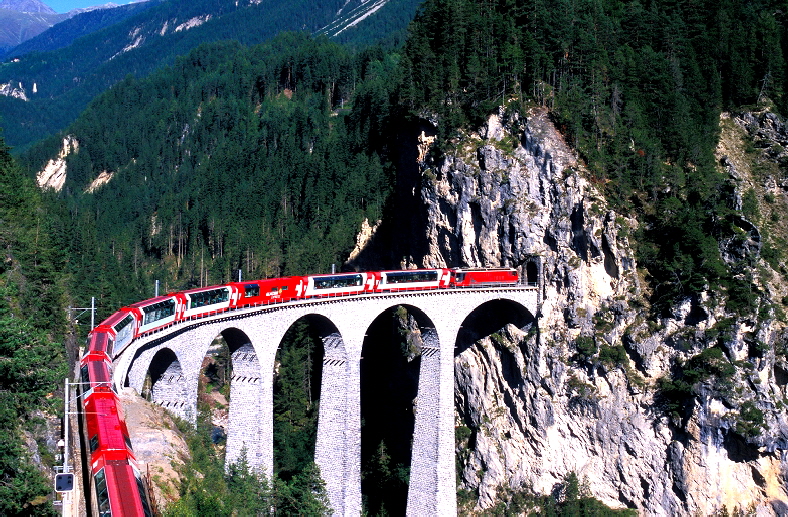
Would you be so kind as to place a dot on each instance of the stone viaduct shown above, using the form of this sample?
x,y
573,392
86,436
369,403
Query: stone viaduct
x,y
173,357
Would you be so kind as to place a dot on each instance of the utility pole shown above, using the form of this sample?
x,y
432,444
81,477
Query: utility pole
x,y
64,478
92,310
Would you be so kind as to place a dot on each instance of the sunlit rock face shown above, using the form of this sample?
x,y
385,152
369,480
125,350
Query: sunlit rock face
x,y
530,406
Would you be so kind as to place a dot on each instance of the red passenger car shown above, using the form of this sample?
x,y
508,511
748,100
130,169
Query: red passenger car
x,y
487,277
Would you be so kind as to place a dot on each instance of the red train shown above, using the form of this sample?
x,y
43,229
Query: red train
x,y
116,485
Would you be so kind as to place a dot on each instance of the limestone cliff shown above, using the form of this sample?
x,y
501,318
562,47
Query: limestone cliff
x,y
590,391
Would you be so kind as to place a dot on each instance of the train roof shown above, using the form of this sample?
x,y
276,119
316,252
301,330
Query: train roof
x,y
346,273
151,301
110,426
99,342
481,269
292,278
115,318
98,372
123,489
203,289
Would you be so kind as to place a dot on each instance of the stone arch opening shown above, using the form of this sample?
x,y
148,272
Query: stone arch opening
x,y
297,387
391,363
495,348
230,390
164,382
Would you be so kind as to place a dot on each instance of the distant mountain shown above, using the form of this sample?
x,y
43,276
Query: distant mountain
x,y
21,20
57,85
82,23
26,6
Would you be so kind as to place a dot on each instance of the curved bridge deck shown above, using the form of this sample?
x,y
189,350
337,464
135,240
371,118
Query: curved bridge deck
x,y
173,356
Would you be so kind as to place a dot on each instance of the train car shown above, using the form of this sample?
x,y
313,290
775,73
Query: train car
x,y
156,313
339,284
271,290
117,489
95,371
105,426
484,277
99,344
122,328
113,334
207,300
413,279
116,485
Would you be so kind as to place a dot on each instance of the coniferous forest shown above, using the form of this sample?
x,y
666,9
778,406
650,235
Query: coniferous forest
x,y
267,158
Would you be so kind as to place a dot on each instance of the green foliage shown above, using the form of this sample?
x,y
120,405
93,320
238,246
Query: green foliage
x,y
749,205
637,89
711,363
677,392
234,158
613,355
586,348
581,389
207,489
295,403
750,422
572,498
92,64
381,477
676,396
32,365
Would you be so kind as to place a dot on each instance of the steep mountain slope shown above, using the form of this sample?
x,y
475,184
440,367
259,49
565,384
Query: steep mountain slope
x,y
21,20
638,155
67,79
249,123
79,24
26,6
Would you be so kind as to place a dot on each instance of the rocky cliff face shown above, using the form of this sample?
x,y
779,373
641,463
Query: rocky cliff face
x,y
591,391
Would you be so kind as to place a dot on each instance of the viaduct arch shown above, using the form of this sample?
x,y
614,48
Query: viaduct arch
x,y
173,358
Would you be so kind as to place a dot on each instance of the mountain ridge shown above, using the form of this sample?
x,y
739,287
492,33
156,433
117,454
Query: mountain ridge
x,y
69,77
26,6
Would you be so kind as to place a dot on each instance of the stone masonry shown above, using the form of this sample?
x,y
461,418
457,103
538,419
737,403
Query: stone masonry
x,y
253,336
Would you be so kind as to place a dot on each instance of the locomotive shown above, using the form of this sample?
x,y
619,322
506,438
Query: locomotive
x,y
117,487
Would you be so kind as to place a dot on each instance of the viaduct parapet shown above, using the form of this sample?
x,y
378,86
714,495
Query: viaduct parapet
x,y
173,358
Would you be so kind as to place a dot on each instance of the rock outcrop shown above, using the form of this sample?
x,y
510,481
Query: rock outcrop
x,y
589,391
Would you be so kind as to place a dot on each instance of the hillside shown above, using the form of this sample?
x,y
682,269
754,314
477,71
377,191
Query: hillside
x,y
65,80
18,26
638,154
77,25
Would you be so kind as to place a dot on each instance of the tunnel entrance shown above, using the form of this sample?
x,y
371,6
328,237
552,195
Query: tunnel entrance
x,y
391,359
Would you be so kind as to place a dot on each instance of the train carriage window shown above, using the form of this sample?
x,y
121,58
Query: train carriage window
x,y
85,378
123,329
128,442
102,494
251,290
211,297
158,311
94,443
337,282
411,276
